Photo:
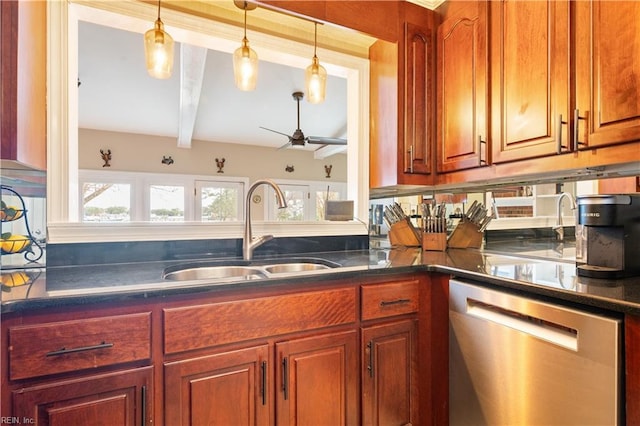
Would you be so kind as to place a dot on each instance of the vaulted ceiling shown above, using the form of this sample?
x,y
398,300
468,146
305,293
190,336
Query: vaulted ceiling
x,y
116,93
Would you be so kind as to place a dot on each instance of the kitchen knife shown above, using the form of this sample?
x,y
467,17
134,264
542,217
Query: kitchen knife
x,y
470,209
485,223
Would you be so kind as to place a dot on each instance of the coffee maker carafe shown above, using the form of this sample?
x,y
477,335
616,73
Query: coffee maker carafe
x,y
609,242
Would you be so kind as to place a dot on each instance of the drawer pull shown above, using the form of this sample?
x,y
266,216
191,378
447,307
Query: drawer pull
x,y
394,302
64,351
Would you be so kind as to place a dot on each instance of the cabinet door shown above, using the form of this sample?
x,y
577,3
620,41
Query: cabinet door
x,y
530,78
462,89
116,399
389,369
607,72
317,380
230,388
23,128
418,99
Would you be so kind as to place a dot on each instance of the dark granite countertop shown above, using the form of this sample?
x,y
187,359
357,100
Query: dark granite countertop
x,y
524,269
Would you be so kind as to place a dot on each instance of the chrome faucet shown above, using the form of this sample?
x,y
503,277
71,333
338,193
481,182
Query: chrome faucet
x,y
249,244
559,228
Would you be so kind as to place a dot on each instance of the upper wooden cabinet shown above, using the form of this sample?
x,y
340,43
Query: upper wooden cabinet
x,y
560,78
462,87
367,16
529,51
402,102
607,73
23,82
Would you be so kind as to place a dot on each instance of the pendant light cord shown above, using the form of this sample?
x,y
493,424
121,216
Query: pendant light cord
x,y
158,9
245,19
315,38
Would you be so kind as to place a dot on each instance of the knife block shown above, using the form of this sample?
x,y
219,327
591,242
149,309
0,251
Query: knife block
x,y
466,235
403,234
434,241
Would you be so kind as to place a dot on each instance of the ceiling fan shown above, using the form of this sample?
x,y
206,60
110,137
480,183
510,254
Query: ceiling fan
x,y
298,139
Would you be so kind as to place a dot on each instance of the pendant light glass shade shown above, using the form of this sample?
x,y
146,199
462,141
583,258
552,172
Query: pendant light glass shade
x,y
316,82
158,50
316,76
245,66
245,62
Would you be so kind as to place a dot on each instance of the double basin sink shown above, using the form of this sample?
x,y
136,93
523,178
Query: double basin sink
x,y
240,270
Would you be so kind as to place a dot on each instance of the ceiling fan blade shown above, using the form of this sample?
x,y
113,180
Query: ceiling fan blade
x,y
326,141
286,145
275,131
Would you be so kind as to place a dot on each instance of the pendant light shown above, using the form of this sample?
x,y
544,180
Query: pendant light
x,y
158,50
316,76
245,59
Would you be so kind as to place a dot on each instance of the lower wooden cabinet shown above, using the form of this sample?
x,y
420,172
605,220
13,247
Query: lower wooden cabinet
x,y
119,398
227,388
317,380
389,373
338,353
309,381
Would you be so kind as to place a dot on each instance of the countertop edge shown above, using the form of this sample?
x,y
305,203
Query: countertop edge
x,y
522,287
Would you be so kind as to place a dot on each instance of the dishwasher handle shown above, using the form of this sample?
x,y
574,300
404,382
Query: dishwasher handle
x,y
551,332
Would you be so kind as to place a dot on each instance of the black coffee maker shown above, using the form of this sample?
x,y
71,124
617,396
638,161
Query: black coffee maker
x,y
608,236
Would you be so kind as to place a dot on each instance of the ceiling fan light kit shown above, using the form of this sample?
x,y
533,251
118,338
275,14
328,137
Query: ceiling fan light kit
x,y
245,59
158,49
315,75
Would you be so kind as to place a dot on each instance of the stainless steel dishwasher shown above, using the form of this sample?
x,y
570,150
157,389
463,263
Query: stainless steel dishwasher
x,y
519,361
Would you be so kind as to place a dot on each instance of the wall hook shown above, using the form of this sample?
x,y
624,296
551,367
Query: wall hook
x,y
289,169
220,164
106,157
327,170
167,160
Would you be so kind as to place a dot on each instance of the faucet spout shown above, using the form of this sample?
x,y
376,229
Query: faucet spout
x,y
559,228
249,243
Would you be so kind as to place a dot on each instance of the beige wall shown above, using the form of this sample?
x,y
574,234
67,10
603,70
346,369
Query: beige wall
x,y
143,153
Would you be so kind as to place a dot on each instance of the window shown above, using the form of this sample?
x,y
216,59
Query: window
x,y
130,196
305,200
166,203
104,201
219,201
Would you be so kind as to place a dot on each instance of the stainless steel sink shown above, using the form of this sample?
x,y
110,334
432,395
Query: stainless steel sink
x,y
234,271
214,273
283,268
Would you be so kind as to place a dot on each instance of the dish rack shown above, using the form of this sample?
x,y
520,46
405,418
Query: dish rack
x,y
11,244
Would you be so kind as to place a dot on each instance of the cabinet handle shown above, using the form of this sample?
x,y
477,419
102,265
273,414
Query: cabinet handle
x,y
384,303
576,127
263,368
285,378
64,351
559,146
410,151
481,144
370,366
143,408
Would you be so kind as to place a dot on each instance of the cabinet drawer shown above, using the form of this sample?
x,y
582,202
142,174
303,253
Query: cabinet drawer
x,y
385,300
58,347
202,326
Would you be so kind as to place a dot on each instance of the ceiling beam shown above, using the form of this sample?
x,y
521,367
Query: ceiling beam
x,y
192,64
328,150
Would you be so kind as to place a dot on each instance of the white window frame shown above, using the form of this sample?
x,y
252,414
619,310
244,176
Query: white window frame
x,y
140,182
310,202
63,224
240,184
